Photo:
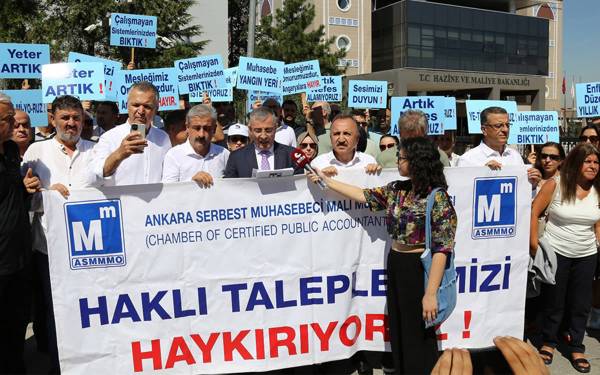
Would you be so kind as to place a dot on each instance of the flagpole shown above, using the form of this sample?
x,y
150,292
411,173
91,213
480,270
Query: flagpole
x,y
564,91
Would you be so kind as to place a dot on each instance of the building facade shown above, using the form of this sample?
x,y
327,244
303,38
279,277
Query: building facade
x,y
347,21
213,17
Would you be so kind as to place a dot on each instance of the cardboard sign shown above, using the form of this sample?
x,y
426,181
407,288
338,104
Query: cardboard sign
x,y
367,94
474,108
30,101
534,127
221,94
588,99
165,80
110,70
450,114
262,96
133,30
83,80
200,74
434,108
329,91
301,76
19,60
260,75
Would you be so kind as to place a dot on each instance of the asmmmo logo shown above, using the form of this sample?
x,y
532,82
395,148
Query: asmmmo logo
x,y
494,207
95,234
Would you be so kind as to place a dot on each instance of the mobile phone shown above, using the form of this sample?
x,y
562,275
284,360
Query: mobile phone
x,y
139,128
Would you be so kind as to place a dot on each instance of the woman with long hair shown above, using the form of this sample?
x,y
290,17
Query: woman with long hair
x,y
309,143
590,134
572,206
548,163
409,302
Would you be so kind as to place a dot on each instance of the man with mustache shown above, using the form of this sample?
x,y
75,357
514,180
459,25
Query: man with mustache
x,y
125,157
197,159
263,153
60,163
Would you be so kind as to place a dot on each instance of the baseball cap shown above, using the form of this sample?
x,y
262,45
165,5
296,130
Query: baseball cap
x,y
237,129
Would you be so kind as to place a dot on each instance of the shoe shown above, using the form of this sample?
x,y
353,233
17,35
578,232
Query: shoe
x,y
594,319
577,365
549,355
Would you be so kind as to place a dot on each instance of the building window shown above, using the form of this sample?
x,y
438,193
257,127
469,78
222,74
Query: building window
x,y
350,63
550,74
341,21
344,5
343,42
551,43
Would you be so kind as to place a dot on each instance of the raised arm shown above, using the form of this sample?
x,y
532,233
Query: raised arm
x,y
349,191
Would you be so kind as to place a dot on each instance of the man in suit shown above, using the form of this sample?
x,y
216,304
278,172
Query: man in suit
x,y
263,153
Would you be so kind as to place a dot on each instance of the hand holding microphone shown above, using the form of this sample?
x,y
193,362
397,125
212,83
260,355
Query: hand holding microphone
x,y
300,159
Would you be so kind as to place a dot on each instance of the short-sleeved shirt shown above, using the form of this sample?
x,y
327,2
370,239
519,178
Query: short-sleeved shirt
x,y
405,212
480,155
182,162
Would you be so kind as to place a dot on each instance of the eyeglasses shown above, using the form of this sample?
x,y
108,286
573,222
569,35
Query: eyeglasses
x,y
551,156
499,125
236,139
307,145
585,138
385,147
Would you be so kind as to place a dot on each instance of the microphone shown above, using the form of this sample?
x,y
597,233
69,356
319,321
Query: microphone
x,y
300,160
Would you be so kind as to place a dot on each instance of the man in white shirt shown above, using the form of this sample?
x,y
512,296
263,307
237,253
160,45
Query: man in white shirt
x,y
197,158
492,151
344,139
125,157
61,163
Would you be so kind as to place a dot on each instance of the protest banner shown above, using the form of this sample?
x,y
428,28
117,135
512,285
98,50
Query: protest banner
x,y
367,94
20,60
588,99
474,108
200,74
534,127
164,79
30,101
434,108
301,76
222,94
83,80
330,90
110,70
133,30
260,275
450,122
260,75
253,96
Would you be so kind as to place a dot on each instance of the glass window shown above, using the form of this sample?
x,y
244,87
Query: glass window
x,y
344,4
414,35
343,42
453,38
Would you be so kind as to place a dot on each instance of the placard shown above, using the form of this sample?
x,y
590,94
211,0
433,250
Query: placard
x,y
133,30
450,122
434,108
475,107
260,75
301,76
20,60
219,95
330,90
164,79
83,80
588,99
110,70
30,101
367,94
262,96
534,127
200,74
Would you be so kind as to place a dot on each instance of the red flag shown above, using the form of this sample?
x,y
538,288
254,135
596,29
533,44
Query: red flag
x,y
564,86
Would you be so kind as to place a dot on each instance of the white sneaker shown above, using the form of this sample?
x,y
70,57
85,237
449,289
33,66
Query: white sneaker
x,y
594,319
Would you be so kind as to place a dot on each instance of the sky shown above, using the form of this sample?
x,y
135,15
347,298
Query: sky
x,y
581,45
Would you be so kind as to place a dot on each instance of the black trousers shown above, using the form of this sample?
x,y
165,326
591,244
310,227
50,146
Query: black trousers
x,y
572,295
414,348
14,316
44,310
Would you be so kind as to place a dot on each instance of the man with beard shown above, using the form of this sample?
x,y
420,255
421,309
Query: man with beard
x,y
197,159
263,153
61,163
290,110
126,157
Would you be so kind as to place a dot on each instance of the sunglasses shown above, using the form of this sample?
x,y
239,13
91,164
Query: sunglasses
x,y
585,138
551,156
307,145
500,125
236,139
385,147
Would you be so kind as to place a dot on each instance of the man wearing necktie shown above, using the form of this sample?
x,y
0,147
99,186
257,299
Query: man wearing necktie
x,y
263,153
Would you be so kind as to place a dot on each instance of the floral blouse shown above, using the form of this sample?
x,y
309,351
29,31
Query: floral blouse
x,y
406,215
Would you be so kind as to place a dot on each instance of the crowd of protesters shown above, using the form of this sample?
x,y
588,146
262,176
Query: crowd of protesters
x,y
92,145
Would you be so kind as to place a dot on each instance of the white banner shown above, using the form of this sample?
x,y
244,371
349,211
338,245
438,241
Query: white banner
x,y
255,276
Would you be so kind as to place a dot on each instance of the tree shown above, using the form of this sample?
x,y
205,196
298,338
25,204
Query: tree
x,y
288,38
238,29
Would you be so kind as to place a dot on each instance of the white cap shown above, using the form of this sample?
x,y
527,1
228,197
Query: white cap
x,y
237,129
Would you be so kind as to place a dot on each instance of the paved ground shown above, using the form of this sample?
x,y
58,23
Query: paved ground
x,y
38,362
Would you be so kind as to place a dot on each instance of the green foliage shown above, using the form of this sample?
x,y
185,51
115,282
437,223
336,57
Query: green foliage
x,y
287,37
238,29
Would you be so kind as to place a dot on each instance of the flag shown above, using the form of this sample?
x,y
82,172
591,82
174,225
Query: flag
x,y
572,89
564,86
